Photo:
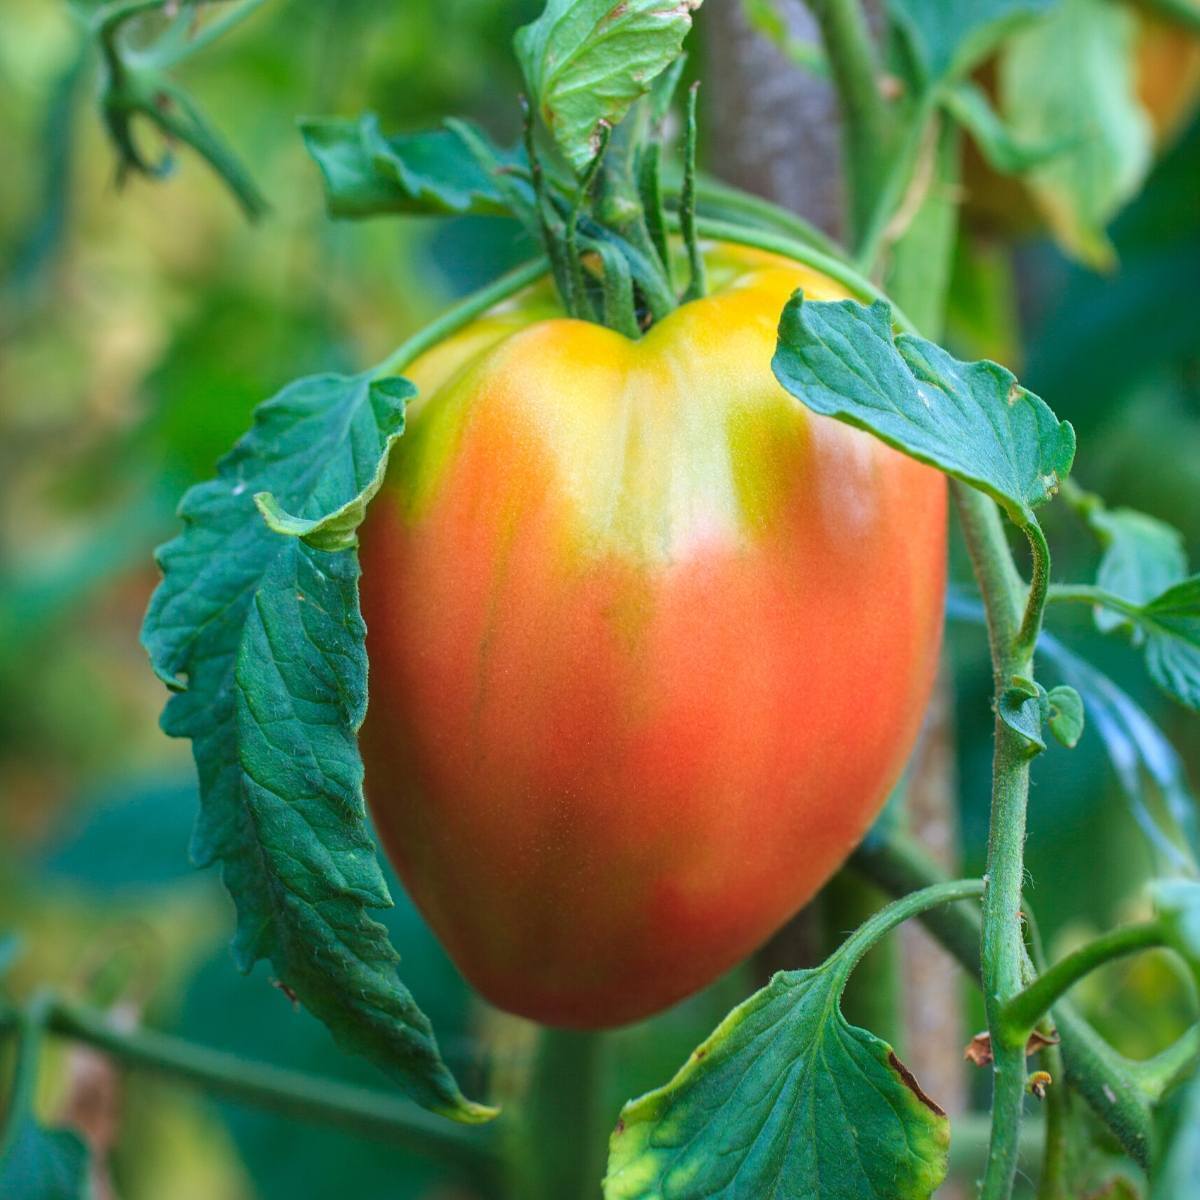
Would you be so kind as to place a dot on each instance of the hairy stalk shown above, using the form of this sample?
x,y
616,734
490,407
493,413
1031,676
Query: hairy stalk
x,y
1003,947
1024,1010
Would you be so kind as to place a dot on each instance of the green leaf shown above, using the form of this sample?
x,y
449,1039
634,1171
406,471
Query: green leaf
x,y
337,530
1072,75
971,420
1171,623
1143,557
1022,708
267,632
45,1164
947,39
1065,715
586,62
786,1098
969,105
434,172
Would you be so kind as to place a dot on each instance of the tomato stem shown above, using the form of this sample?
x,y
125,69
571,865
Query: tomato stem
x,y
1025,1009
687,205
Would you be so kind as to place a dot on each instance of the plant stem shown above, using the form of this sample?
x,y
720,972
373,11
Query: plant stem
x,y
1086,594
1104,1079
1024,1010
1155,1076
732,200
208,34
29,1037
460,314
866,121
1031,621
1003,947
841,272
291,1093
687,205
562,1155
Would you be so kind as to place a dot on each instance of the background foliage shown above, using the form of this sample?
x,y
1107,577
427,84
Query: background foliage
x,y
137,331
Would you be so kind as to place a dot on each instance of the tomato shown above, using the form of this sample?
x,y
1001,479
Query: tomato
x,y
649,645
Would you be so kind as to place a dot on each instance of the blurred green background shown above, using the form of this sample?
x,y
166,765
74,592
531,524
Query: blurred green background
x,y
138,328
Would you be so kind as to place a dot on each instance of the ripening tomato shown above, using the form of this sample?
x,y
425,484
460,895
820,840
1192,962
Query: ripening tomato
x,y
649,645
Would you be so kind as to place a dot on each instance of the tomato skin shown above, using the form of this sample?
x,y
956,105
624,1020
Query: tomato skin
x,y
649,645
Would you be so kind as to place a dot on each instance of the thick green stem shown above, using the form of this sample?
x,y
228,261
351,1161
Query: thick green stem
x,y
1003,946
1024,1010
563,1151
20,1105
291,1093
867,124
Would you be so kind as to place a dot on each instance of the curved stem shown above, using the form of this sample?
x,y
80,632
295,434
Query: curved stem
x,y
761,239
292,1093
207,35
899,911
462,313
1035,604
1023,1011
734,201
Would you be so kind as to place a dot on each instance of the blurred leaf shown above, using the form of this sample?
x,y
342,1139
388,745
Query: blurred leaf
x,y
971,420
268,632
765,17
44,1164
969,105
433,172
1142,558
1071,76
586,61
1177,902
1105,333
764,1106
1178,1176
948,39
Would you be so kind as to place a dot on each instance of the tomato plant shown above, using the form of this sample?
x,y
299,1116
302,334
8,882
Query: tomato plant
x,y
612,600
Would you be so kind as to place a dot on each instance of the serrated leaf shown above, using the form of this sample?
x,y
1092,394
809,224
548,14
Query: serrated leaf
x,y
1072,75
265,634
434,172
969,105
45,1164
786,1098
586,61
1171,623
971,420
1143,557
947,39
1065,715
338,530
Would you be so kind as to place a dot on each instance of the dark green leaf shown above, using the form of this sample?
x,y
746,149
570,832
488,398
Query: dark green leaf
x,y
971,420
786,1098
949,38
1072,76
1171,623
1143,557
1065,715
433,172
44,1164
968,103
586,61
267,631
